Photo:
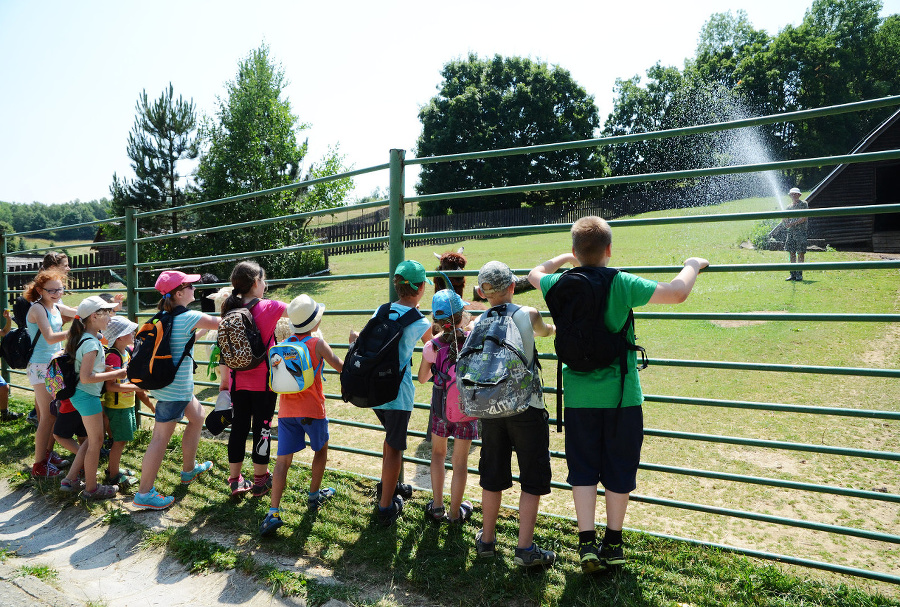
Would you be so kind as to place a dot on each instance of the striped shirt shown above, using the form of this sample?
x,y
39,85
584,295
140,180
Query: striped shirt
x,y
183,387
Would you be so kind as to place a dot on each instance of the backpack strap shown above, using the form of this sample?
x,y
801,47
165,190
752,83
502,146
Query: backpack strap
x,y
321,364
190,343
37,336
406,319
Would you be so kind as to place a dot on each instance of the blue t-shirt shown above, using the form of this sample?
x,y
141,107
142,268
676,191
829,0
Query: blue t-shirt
x,y
183,387
411,334
43,351
90,343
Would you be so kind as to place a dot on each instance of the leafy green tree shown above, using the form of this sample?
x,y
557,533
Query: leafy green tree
x,y
252,146
164,133
506,102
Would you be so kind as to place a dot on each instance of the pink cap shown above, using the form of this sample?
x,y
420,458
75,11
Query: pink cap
x,y
170,280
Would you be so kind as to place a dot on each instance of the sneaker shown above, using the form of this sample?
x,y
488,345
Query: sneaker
x,y
590,558
260,488
612,555
188,477
67,486
402,489
270,523
535,556
44,469
124,479
484,550
57,461
9,416
102,492
152,500
239,486
32,418
434,514
465,513
320,499
387,516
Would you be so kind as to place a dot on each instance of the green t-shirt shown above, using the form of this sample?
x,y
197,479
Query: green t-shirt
x,y
600,389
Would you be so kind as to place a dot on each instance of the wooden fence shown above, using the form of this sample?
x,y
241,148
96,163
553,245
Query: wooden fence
x,y
81,274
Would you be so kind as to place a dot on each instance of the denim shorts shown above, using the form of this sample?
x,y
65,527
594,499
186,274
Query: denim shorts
x,y
170,410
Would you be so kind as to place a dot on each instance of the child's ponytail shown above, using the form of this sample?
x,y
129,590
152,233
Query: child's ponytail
x,y
75,333
243,277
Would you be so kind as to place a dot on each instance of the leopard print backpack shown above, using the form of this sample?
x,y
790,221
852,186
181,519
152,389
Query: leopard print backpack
x,y
241,346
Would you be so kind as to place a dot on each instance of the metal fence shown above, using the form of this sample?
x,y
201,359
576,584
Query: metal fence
x,y
397,239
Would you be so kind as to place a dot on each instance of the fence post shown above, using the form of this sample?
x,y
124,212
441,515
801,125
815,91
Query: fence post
x,y
397,216
130,261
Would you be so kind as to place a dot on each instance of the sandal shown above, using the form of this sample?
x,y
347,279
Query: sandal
x,y
102,492
67,486
465,513
435,515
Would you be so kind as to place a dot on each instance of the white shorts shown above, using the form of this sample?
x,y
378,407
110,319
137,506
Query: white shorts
x,y
37,372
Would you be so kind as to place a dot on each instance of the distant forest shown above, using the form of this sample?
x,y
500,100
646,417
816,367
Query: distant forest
x,y
37,216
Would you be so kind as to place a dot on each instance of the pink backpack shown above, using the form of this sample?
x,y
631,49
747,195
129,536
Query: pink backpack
x,y
445,394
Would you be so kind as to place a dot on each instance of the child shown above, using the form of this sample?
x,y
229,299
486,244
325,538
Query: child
x,y
68,424
5,414
176,400
44,321
302,415
447,311
603,442
84,346
526,433
253,405
118,400
409,282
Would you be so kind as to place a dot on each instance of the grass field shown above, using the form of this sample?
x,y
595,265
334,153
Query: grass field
x,y
663,572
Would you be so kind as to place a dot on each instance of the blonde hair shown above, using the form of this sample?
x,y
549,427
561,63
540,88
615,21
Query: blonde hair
x,y
591,236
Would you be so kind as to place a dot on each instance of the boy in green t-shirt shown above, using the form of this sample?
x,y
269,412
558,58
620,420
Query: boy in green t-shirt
x,y
603,444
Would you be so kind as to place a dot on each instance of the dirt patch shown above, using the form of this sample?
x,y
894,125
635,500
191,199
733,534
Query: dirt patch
x,y
730,324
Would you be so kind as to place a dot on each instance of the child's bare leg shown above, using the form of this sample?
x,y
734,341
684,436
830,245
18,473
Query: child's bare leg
x,y
585,498
490,510
279,478
115,457
89,452
528,509
320,458
438,472
391,463
153,456
68,443
190,440
616,505
460,475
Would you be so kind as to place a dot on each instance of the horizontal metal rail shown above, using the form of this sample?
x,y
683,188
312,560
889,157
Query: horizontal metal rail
x,y
74,226
71,271
775,367
740,404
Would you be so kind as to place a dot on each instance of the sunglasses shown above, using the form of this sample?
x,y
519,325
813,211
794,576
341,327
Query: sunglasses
x,y
55,291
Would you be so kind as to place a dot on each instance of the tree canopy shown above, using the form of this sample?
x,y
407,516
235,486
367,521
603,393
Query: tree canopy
x,y
505,102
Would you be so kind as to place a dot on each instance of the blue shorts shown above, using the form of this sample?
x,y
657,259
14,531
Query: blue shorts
x,y
2,382
292,434
603,446
170,410
86,404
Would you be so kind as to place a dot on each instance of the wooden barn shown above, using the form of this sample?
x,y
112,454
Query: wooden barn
x,y
862,184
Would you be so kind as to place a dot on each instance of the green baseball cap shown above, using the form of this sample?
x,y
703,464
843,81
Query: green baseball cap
x,y
412,272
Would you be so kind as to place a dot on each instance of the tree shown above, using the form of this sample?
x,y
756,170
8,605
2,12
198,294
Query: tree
x,y
505,102
254,146
164,133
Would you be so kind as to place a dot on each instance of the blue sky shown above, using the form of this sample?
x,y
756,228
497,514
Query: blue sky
x,y
358,71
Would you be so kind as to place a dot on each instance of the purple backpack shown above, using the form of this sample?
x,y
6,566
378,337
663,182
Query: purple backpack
x,y
445,394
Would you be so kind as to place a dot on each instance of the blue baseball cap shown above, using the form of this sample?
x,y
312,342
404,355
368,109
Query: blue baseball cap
x,y
446,303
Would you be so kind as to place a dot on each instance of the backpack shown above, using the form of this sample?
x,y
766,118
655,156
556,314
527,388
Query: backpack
x,y
290,366
372,374
152,366
241,345
492,372
62,378
17,346
578,302
445,389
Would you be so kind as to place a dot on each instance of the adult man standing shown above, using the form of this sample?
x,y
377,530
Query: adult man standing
x,y
795,242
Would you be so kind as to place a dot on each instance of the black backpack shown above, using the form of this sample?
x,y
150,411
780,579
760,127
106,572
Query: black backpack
x,y
577,302
372,374
241,345
152,366
16,346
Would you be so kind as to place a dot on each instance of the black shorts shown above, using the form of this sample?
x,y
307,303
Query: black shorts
x,y
395,425
69,424
602,450
529,436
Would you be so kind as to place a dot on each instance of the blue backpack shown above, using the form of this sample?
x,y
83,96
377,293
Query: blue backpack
x,y
290,366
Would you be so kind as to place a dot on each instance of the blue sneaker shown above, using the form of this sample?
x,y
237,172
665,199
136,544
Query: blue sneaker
x,y
152,500
188,477
321,498
270,523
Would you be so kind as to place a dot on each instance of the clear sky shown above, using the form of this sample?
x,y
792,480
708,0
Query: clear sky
x,y
359,70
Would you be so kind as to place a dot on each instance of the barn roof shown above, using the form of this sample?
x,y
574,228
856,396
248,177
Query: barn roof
x,y
861,147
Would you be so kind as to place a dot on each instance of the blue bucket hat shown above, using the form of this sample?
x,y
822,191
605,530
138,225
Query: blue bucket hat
x,y
446,303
